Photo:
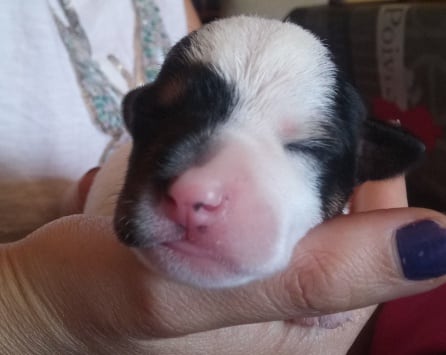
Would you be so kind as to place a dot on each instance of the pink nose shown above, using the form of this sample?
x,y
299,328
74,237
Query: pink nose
x,y
195,199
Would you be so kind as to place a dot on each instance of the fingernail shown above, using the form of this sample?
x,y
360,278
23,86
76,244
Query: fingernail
x,y
422,250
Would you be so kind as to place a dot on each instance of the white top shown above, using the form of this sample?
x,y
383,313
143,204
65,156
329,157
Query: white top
x,y
47,137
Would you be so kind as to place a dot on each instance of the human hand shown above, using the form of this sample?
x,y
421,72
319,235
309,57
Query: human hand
x,y
71,287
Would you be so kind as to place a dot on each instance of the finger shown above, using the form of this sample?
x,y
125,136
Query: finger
x,y
382,194
73,201
84,186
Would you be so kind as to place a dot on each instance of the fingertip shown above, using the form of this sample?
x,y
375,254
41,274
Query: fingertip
x,y
381,194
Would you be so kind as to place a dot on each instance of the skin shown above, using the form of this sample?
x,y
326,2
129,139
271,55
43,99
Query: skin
x,y
193,21
70,287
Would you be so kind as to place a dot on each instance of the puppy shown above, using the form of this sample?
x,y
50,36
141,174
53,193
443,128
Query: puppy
x,y
248,138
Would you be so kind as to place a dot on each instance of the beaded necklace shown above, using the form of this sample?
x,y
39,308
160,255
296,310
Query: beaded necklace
x,y
102,98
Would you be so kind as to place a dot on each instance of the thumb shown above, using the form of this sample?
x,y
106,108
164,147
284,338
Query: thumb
x,y
364,259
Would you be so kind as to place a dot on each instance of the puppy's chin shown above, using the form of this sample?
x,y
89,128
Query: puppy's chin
x,y
186,262
190,265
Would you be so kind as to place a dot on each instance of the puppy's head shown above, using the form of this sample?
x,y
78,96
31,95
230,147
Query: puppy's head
x,y
246,140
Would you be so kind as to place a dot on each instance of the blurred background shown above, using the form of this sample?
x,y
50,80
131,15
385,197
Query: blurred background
x,y
277,9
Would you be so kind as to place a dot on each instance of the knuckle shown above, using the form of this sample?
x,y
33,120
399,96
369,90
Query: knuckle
x,y
317,285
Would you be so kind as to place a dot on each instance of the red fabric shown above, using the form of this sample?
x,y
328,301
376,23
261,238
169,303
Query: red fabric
x,y
412,325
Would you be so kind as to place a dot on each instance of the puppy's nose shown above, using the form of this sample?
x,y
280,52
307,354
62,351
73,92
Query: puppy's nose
x,y
195,199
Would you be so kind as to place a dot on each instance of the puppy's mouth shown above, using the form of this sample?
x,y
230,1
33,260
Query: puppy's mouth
x,y
189,249
193,247
192,263
181,242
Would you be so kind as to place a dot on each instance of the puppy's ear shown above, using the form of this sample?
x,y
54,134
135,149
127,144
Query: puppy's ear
x,y
131,107
385,151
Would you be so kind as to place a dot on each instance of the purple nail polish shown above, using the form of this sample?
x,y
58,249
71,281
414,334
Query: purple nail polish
x,y
422,250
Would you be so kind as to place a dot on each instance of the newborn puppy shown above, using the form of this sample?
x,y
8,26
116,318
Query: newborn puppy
x,y
248,138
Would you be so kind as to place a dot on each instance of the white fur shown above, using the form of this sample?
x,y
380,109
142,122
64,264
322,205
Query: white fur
x,y
275,66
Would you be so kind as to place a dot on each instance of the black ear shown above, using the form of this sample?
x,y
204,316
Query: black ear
x,y
130,107
386,151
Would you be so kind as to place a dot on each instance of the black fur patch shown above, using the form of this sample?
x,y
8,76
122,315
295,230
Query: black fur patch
x,y
173,133
339,160
173,123
336,154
